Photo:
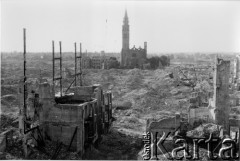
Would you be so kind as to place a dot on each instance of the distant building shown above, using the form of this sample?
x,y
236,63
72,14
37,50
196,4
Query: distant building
x,y
236,69
96,62
134,57
99,62
86,62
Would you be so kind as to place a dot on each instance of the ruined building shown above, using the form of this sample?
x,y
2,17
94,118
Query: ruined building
x,y
218,109
99,62
236,72
221,92
77,117
134,57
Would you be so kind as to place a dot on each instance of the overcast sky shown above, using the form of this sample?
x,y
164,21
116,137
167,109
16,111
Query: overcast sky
x,y
167,26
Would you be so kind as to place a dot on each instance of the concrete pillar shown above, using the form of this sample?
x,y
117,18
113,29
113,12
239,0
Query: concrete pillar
x,y
46,99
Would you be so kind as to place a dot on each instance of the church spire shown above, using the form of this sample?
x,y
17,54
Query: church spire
x,y
125,32
125,20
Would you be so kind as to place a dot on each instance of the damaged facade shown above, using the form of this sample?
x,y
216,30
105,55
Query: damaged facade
x,y
218,109
99,62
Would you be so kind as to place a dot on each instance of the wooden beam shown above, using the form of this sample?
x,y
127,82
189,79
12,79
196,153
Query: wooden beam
x,y
53,61
24,74
60,45
75,76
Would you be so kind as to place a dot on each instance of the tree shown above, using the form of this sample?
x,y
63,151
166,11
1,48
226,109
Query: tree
x,y
156,61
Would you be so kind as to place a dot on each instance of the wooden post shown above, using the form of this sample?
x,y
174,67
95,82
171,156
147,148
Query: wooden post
x,y
53,56
75,77
80,64
40,75
24,73
23,115
60,45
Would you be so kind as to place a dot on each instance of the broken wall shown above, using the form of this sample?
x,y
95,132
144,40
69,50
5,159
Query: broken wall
x,y
198,114
221,92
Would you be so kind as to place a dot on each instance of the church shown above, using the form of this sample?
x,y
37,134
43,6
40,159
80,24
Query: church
x,y
134,57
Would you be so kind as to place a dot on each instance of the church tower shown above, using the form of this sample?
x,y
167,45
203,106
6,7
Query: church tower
x,y
125,32
125,39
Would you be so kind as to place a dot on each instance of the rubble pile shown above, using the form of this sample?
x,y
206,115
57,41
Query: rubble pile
x,y
205,130
134,79
235,110
117,146
203,154
15,151
7,121
147,93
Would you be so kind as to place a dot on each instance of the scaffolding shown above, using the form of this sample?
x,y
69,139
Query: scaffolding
x,y
77,72
59,78
38,112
